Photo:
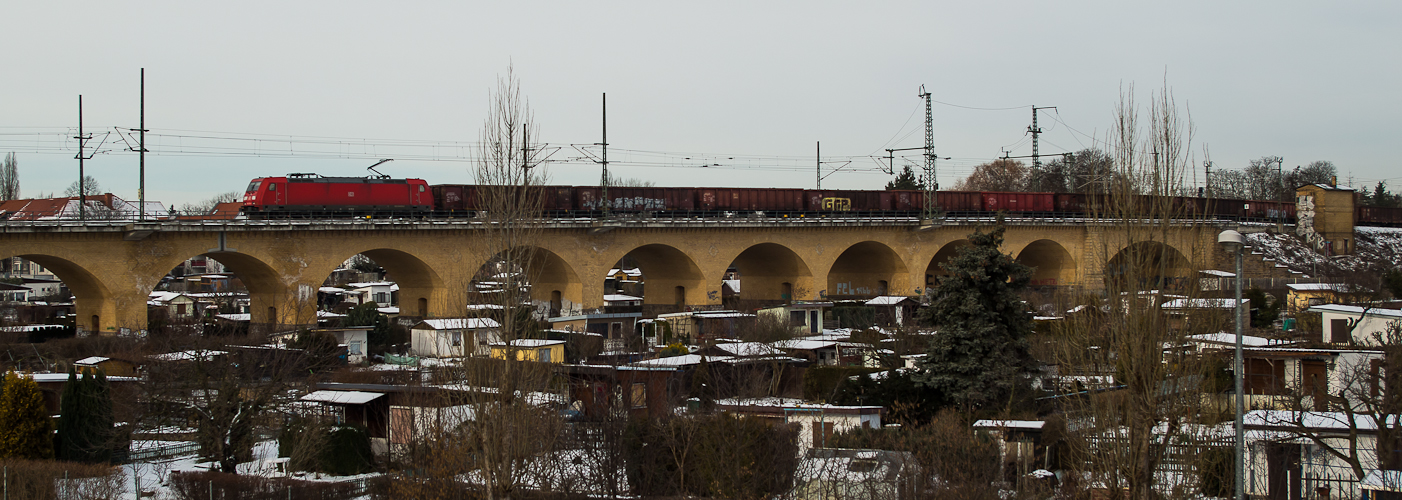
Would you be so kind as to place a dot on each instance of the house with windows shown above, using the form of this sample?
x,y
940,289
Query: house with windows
x,y
540,350
804,317
453,337
1355,324
817,422
1302,296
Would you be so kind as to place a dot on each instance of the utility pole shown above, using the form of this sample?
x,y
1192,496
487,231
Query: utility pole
x,y
1036,131
818,162
82,184
1280,198
931,185
604,182
141,143
1207,176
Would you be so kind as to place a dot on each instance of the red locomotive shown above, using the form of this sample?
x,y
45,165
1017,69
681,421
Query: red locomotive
x,y
311,195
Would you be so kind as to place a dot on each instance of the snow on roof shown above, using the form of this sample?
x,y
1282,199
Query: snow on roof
x,y
463,323
235,316
887,300
618,297
342,397
1230,338
806,345
1009,424
788,404
188,355
1327,287
721,314
679,361
91,360
1384,480
749,349
332,289
1204,303
530,343
388,310
1214,272
1340,308
370,284
63,377
1325,420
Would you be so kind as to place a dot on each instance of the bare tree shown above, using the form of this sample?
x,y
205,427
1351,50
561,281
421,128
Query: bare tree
x,y
205,207
1152,403
90,187
515,418
9,178
997,175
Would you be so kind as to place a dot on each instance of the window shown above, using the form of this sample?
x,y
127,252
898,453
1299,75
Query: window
x,y
1338,330
253,186
457,339
353,348
401,425
796,318
862,465
822,432
638,397
272,187
542,355
180,309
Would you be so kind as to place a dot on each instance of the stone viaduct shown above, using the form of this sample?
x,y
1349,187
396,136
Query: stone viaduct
x,y
111,267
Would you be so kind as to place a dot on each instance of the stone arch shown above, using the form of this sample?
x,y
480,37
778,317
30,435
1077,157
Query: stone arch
x,y
93,304
866,269
771,273
554,283
1052,263
672,278
944,255
421,289
1148,265
270,301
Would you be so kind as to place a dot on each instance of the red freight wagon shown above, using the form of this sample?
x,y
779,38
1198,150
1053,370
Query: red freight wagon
x,y
958,202
455,197
635,199
1069,203
749,199
650,199
1379,216
467,198
1018,202
842,200
314,194
907,201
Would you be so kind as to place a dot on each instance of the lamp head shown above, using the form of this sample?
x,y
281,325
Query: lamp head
x,y
1232,240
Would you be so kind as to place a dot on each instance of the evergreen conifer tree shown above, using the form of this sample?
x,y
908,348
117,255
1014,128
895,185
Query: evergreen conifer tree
x,y
85,422
905,180
70,412
103,419
980,353
25,429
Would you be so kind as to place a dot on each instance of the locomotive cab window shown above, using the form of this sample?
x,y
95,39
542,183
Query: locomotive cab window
x,y
272,187
253,186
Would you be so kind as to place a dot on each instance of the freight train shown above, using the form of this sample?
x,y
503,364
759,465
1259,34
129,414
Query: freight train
x,y
314,196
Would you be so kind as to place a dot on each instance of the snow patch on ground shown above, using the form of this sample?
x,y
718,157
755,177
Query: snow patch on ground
x,y
1375,246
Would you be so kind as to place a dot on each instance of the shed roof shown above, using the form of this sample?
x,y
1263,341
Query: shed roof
x,y
342,397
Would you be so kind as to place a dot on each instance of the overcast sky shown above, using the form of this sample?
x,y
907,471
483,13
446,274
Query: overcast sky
x,y
246,89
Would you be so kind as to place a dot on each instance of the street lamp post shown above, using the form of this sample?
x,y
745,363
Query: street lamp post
x,y
1233,241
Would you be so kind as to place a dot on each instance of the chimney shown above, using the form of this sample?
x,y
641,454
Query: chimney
x,y
1334,181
